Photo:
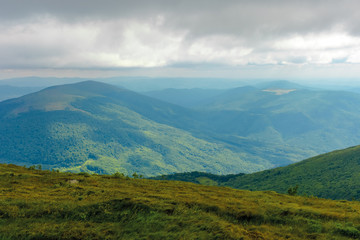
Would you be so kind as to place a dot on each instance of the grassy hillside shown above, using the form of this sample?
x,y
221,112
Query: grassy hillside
x,y
333,175
198,177
49,205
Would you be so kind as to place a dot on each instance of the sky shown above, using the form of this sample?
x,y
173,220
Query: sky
x,y
280,39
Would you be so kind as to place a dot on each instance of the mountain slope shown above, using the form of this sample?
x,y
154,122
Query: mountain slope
x,y
96,127
49,205
319,121
297,121
332,175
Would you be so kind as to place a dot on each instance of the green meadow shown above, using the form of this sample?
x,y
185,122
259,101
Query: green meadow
x,y
38,204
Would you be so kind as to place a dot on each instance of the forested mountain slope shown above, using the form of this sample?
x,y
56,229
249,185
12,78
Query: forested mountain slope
x,y
96,127
296,121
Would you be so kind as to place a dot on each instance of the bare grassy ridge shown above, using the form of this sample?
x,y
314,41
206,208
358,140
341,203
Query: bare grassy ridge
x,y
38,204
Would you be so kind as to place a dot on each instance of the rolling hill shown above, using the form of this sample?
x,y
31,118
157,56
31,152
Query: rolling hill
x,y
95,127
51,205
333,175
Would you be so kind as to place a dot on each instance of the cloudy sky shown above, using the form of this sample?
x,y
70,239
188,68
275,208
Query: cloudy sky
x,y
198,38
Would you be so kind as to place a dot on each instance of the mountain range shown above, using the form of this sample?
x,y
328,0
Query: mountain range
x,y
286,114
96,127
7,92
91,126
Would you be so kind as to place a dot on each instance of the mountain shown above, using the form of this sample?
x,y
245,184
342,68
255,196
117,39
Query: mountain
x,y
138,84
280,114
184,97
7,92
38,82
279,121
38,204
317,121
200,97
333,175
279,84
96,127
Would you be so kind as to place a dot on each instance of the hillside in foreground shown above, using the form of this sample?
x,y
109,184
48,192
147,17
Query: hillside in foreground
x,y
38,204
333,175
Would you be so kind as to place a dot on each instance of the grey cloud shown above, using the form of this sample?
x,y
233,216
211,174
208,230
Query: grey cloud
x,y
339,60
254,24
202,17
297,60
79,9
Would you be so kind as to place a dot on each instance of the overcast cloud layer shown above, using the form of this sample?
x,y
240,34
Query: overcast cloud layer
x,y
184,35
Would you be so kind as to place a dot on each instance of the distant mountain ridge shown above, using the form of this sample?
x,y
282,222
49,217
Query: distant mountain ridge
x,y
282,84
135,83
184,97
300,118
7,92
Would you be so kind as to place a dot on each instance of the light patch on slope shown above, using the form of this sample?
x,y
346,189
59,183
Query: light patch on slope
x,y
279,91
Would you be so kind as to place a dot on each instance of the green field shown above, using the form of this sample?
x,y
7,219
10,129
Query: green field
x,y
38,204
